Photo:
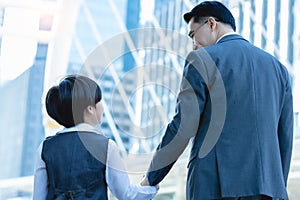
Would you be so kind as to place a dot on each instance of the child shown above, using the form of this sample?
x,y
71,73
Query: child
x,y
79,162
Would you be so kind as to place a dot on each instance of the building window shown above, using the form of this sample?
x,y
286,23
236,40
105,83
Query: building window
x,y
0,44
1,16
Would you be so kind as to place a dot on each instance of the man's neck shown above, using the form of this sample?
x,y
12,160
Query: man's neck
x,y
230,32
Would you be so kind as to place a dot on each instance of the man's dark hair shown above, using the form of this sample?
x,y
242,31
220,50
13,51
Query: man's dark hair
x,y
211,9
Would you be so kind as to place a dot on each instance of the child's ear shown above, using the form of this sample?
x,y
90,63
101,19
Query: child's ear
x,y
90,109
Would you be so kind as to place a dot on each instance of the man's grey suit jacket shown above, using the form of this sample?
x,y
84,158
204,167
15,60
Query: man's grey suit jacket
x,y
235,106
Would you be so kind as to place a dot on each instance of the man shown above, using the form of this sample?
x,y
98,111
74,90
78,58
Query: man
x,y
235,103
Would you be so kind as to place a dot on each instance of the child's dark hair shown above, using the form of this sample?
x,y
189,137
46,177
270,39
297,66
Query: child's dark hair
x,y
66,102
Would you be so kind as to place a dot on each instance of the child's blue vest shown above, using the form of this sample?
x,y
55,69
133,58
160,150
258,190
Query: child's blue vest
x,y
75,164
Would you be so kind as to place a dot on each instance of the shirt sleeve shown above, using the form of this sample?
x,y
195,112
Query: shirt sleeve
x,y
118,180
40,189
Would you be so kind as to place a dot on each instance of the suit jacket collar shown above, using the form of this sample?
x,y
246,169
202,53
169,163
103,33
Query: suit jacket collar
x,y
234,36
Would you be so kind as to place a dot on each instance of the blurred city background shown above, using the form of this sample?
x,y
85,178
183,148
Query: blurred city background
x,y
135,49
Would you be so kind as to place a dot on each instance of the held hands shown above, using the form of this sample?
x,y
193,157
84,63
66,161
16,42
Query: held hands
x,y
145,182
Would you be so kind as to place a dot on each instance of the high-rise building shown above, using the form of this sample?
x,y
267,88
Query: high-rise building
x,y
101,29
21,124
27,35
23,61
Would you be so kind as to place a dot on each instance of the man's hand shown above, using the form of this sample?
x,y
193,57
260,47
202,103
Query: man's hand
x,y
145,181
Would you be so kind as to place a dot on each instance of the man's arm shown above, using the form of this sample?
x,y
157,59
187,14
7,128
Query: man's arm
x,y
285,129
191,100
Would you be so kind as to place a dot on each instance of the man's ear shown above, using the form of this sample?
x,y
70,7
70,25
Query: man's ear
x,y
212,22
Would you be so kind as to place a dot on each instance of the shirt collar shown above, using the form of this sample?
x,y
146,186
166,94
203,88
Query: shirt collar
x,y
226,34
82,127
